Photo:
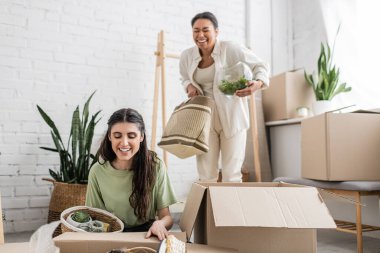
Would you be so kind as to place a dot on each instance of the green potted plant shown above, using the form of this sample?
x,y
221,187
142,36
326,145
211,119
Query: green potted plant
x,y
79,218
76,159
326,85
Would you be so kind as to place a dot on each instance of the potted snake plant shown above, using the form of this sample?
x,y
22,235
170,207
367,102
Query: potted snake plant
x,y
326,84
76,159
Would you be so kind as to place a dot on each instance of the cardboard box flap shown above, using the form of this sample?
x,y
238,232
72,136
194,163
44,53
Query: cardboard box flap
x,y
377,110
190,212
282,207
347,110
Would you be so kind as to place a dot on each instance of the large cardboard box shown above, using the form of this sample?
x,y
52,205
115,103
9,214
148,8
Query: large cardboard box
x,y
75,242
255,217
286,92
341,146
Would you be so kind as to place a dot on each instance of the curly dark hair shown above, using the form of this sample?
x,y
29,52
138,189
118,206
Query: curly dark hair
x,y
143,165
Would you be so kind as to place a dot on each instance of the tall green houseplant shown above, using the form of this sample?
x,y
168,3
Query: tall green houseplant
x,y
326,85
76,158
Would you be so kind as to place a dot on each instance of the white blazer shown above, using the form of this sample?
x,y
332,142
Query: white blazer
x,y
233,110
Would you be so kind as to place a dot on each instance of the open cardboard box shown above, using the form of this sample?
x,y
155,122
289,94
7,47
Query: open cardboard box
x,y
341,146
76,242
255,217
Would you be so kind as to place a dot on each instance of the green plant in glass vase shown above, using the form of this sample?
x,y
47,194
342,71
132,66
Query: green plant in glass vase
x,y
75,159
326,84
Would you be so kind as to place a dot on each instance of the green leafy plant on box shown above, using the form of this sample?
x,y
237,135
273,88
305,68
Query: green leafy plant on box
x,y
75,159
326,84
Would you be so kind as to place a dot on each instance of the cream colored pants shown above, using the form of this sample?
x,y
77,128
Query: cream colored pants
x,y
232,151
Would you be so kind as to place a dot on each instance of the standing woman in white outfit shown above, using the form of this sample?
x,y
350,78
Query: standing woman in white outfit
x,y
199,68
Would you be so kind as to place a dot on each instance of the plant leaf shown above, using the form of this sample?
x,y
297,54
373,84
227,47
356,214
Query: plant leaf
x,y
55,176
86,110
50,122
49,149
75,128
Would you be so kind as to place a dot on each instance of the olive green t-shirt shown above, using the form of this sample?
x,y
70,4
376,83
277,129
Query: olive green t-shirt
x,y
109,189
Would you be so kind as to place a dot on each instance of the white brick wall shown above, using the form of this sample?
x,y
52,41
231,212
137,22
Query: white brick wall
x,y
308,33
55,53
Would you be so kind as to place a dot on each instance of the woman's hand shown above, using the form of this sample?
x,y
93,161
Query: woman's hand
x,y
158,229
252,87
192,91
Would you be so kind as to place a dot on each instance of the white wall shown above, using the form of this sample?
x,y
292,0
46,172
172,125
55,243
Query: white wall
x,y
54,53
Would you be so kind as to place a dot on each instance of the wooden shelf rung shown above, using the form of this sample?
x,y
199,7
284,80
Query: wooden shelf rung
x,y
350,227
347,226
346,230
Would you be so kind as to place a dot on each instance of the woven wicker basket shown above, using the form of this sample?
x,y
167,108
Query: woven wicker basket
x,y
65,195
116,225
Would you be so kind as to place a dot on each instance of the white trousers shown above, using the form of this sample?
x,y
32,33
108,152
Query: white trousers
x,y
232,151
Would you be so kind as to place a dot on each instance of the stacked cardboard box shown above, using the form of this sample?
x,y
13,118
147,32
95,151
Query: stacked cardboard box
x,y
341,146
287,92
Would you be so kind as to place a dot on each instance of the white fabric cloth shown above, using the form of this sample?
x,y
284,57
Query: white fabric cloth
x,y
233,111
41,241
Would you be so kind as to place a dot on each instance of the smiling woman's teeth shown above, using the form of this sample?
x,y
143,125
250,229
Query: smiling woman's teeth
x,y
124,149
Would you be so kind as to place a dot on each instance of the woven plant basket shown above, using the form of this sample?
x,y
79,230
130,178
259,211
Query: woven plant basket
x,y
64,195
116,225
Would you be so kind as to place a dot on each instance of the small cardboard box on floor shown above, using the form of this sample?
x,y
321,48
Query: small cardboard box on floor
x,y
255,217
341,146
75,242
287,91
